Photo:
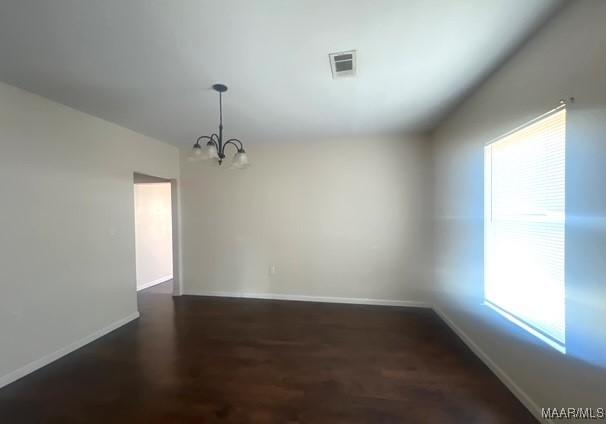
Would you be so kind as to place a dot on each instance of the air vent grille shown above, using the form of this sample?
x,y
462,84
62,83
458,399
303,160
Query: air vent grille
x,y
343,64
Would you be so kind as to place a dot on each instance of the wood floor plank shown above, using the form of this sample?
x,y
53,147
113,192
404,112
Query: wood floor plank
x,y
206,360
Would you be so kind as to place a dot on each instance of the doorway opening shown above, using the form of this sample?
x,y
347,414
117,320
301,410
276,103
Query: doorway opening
x,y
154,234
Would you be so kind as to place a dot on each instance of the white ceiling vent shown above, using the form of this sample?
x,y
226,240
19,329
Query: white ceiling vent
x,y
343,64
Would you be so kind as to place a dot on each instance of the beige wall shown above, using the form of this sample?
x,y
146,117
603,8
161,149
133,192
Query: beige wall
x,y
567,58
153,231
67,246
337,218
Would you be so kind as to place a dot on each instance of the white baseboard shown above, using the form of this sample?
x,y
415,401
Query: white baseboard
x,y
321,299
154,282
39,363
522,396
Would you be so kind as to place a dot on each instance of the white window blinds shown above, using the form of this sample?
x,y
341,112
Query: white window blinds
x,y
524,225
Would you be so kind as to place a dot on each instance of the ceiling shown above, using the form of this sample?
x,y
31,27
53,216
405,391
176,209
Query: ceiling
x,y
148,64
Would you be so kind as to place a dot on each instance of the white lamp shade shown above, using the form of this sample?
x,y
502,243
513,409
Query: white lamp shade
x,y
211,151
196,154
240,160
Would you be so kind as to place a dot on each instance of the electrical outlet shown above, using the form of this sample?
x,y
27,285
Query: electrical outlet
x,y
272,270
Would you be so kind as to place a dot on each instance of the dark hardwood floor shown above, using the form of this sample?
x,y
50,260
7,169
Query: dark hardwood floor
x,y
206,360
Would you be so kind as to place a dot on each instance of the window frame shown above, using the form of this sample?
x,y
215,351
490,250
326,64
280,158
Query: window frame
x,y
534,330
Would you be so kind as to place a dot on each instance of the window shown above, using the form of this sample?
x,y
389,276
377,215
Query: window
x,y
524,227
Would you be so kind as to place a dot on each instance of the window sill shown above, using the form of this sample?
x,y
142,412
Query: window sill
x,y
554,344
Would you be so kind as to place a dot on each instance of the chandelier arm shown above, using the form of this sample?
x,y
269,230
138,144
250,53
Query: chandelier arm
x,y
231,141
204,137
240,146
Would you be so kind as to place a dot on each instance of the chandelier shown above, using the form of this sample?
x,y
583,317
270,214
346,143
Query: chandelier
x,y
214,149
